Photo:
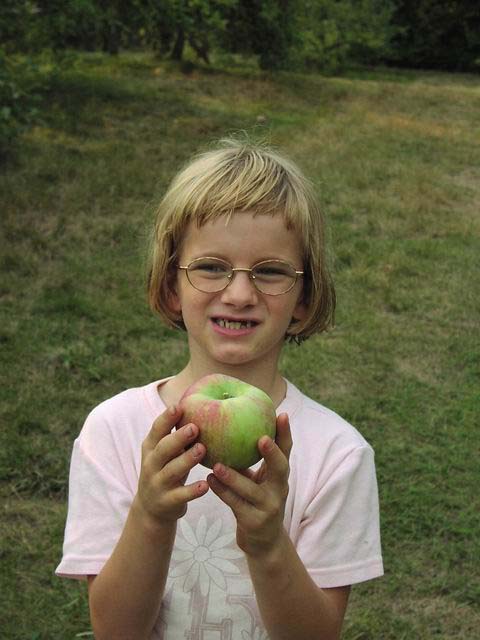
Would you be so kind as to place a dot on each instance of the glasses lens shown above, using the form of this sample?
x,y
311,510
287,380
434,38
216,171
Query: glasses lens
x,y
209,274
274,277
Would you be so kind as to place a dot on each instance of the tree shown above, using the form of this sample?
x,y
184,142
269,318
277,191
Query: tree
x,y
334,33
264,28
173,23
439,34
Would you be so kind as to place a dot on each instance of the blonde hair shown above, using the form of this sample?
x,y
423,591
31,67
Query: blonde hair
x,y
232,178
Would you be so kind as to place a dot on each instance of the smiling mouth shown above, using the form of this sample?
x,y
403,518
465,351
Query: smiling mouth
x,y
234,324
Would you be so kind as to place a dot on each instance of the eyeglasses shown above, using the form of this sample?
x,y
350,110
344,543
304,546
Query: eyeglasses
x,y
272,277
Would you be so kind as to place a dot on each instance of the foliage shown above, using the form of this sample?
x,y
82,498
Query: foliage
x,y
437,34
173,23
19,83
334,33
17,25
266,29
325,34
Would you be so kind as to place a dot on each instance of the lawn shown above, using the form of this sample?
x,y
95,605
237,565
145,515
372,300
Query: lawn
x,y
395,157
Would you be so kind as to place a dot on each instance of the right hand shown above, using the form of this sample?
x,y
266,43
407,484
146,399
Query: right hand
x,y
167,459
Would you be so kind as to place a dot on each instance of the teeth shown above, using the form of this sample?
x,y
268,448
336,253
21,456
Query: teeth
x,y
228,324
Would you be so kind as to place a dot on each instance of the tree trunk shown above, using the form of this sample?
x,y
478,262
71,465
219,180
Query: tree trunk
x,y
201,49
177,51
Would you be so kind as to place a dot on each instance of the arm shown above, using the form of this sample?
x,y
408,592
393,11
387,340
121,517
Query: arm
x,y
291,604
125,597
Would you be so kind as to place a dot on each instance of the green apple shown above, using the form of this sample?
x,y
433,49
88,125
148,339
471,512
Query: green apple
x,y
231,416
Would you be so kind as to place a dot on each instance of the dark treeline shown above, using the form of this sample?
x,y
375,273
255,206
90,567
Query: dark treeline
x,y
322,34
301,35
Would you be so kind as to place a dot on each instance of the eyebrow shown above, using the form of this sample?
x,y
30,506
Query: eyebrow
x,y
220,257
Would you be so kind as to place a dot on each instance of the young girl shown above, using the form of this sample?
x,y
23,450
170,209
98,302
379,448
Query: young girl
x,y
171,549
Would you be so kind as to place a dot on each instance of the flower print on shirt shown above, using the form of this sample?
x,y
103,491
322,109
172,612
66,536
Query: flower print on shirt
x,y
203,556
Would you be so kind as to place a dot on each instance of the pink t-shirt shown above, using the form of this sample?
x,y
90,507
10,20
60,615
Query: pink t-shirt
x,y
331,515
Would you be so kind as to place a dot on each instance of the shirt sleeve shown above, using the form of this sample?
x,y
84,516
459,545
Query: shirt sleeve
x,y
339,537
98,501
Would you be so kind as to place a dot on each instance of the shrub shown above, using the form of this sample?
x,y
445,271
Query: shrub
x,y
19,98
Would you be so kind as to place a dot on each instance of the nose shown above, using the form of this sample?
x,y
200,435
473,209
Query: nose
x,y
241,291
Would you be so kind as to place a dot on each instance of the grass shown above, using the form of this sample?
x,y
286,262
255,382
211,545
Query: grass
x,y
396,158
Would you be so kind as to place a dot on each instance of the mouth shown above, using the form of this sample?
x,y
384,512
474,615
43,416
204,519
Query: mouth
x,y
234,324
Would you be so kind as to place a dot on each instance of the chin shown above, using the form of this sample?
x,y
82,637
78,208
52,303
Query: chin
x,y
234,358
239,357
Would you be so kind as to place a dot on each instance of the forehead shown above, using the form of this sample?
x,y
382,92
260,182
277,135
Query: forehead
x,y
243,238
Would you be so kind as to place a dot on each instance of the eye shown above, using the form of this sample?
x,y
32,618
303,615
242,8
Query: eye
x,y
273,271
209,268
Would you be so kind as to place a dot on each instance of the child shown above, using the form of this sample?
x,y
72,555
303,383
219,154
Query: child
x,y
170,549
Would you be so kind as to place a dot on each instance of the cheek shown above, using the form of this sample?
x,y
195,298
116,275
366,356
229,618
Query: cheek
x,y
190,303
283,311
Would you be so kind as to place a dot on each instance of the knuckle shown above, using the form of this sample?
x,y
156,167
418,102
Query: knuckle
x,y
284,468
147,466
145,449
157,425
171,476
263,521
274,509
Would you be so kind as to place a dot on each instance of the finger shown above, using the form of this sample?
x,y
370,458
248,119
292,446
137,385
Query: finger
x,y
187,493
236,503
284,434
248,473
256,475
177,470
276,462
162,426
240,484
173,445
283,439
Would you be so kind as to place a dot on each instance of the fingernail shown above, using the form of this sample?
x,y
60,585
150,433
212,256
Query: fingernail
x,y
197,451
219,469
268,444
214,482
190,431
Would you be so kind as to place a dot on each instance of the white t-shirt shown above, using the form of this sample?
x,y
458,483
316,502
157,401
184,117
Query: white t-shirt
x,y
331,514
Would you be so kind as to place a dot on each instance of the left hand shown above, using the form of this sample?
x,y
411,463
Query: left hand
x,y
257,498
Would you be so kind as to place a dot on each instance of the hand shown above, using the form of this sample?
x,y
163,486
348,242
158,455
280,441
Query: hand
x,y
166,462
257,499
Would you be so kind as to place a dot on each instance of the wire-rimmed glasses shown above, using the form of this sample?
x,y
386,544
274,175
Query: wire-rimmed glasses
x,y
271,277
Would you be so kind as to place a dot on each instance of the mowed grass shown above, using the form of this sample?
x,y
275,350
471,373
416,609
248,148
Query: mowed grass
x,y
396,160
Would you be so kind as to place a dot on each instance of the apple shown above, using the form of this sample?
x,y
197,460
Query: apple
x,y
231,416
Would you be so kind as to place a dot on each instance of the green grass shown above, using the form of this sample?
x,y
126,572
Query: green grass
x,y
396,159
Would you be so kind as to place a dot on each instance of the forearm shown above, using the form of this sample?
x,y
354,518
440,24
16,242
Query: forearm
x,y
290,603
126,596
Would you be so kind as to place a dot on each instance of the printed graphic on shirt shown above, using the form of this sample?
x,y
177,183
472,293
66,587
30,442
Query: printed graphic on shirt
x,y
209,592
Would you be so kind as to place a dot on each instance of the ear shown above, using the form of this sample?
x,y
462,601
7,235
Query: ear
x,y
172,296
173,302
300,311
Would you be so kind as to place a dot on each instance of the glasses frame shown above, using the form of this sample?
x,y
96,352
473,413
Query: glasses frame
x,y
234,270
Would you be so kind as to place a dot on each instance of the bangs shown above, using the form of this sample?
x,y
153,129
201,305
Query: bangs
x,y
239,179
